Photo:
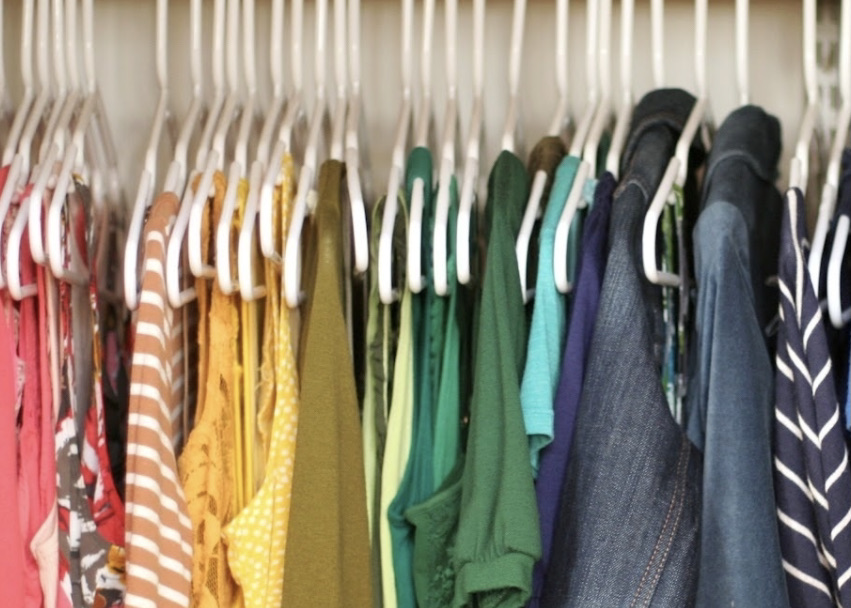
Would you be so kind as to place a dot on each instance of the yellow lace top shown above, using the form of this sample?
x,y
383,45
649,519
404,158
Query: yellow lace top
x,y
257,537
207,463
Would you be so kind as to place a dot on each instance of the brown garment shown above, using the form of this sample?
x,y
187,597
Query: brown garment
x,y
328,551
159,532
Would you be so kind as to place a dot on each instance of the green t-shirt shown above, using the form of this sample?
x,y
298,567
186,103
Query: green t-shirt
x,y
498,539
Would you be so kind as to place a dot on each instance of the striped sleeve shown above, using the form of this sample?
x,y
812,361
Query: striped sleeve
x,y
159,533
812,478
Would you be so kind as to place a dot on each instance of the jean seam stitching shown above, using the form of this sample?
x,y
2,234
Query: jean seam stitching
x,y
666,535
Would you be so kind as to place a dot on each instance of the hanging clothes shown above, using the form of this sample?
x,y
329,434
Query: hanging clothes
x,y
382,336
207,464
12,491
549,317
731,392
328,529
600,529
498,532
813,515
257,536
91,515
428,313
400,427
586,300
436,519
159,531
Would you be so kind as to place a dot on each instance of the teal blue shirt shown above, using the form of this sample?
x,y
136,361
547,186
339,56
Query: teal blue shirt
x,y
549,317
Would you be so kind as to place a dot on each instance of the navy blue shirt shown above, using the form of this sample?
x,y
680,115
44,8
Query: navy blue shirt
x,y
811,473
586,298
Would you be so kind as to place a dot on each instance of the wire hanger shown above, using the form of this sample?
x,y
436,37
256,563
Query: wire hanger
x,y
539,182
239,165
174,249
91,110
307,175
624,117
21,115
586,140
386,292
677,170
245,246
838,316
474,145
147,181
293,122
416,278
447,153
800,164
355,153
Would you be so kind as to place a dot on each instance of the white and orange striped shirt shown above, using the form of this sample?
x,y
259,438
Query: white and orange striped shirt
x,y
158,528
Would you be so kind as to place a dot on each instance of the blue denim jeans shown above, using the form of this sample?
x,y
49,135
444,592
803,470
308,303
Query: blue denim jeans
x,y
730,405
628,531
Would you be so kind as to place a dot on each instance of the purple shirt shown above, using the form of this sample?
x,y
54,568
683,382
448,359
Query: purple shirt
x,y
586,297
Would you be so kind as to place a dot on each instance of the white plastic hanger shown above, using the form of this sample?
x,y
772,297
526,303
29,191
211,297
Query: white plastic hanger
x,y
341,84
175,179
20,115
20,169
276,71
246,244
386,292
586,140
73,156
677,169
26,54
307,176
174,249
416,278
215,160
510,131
293,121
742,51
59,120
239,165
512,117
539,182
354,150
471,163
147,181
837,316
64,69
624,117
447,154
799,169
830,191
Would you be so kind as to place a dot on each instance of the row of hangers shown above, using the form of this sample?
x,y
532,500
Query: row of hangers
x,y
77,139
284,122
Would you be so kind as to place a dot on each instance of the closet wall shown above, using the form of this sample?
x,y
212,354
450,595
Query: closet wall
x,y
125,65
